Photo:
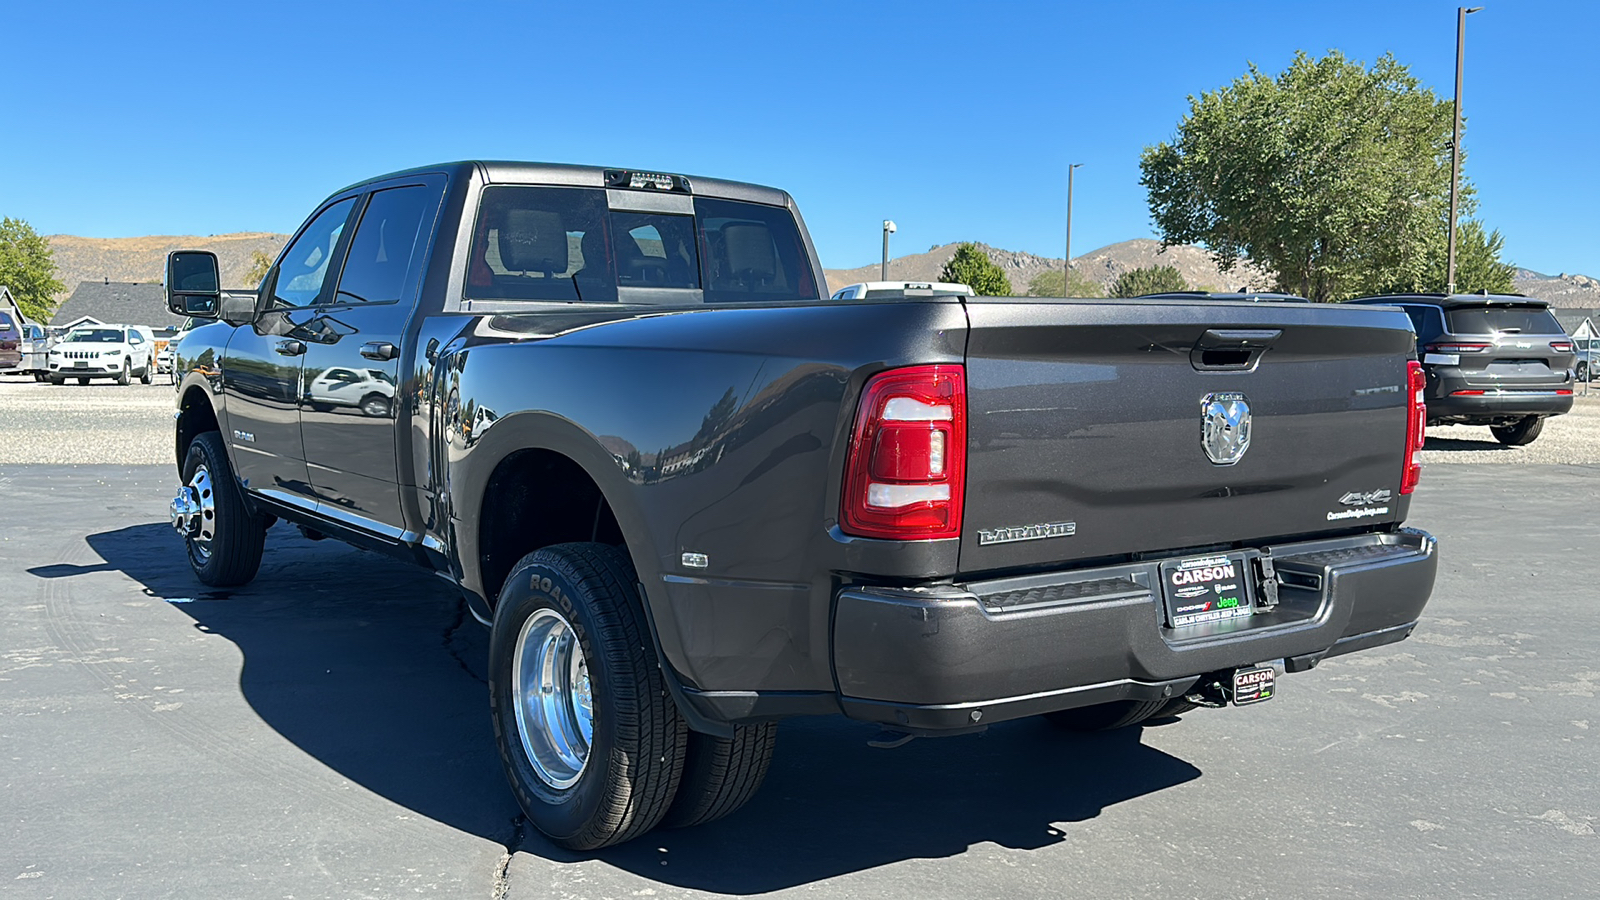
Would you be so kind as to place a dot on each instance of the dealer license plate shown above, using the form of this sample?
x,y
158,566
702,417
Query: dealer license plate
x,y
1204,589
1254,685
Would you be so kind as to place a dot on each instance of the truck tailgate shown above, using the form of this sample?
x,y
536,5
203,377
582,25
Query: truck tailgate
x,y
1086,418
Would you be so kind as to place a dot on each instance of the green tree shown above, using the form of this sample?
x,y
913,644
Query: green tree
x,y
973,268
1478,265
259,264
28,268
1332,175
1148,280
1048,284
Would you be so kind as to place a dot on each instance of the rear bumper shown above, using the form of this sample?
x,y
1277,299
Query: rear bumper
x,y
1500,404
1498,401
960,656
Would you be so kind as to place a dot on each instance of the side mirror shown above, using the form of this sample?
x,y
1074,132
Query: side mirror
x,y
193,284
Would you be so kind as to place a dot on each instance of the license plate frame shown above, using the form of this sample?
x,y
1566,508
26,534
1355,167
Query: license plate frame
x,y
1201,590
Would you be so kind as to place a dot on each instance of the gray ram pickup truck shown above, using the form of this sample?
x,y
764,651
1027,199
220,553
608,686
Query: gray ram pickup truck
x,y
691,495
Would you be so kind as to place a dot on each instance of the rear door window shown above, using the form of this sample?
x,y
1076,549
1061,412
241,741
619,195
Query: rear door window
x,y
386,250
1503,320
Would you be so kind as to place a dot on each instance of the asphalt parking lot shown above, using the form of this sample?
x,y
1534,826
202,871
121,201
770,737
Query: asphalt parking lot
x,y
323,732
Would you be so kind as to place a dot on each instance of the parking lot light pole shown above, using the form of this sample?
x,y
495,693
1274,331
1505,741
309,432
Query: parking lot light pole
x,y
1066,268
888,229
1455,149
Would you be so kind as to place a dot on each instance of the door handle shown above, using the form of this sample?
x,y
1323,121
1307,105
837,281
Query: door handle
x,y
378,350
290,348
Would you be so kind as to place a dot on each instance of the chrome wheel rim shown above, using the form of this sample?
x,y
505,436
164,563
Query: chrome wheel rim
x,y
553,699
202,521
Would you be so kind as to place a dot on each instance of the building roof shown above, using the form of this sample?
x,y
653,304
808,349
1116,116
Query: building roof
x,y
9,304
1574,320
117,303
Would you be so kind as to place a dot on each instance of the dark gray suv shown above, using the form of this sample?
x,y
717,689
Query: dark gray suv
x,y
1500,360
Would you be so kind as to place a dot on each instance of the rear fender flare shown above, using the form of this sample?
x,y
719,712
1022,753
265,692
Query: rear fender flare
x,y
469,480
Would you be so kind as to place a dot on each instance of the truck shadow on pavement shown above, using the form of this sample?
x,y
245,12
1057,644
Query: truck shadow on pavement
x,y
373,669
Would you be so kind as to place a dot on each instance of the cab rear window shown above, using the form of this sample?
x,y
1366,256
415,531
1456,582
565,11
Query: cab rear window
x,y
566,244
1503,320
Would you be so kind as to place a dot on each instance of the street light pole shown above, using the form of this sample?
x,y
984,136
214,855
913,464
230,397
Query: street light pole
x,y
1455,149
1066,269
888,229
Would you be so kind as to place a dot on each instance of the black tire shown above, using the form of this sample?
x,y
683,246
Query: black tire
x,y
147,375
721,774
38,376
1106,716
233,554
126,375
375,406
635,751
56,380
1177,706
82,380
1583,371
1520,434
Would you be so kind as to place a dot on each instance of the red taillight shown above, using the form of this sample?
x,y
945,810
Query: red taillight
x,y
906,469
1458,347
1561,346
1416,425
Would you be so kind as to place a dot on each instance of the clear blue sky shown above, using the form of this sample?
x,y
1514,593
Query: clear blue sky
x,y
954,119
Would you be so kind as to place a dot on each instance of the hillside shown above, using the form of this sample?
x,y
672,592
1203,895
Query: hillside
x,y
1102,265
140,259
1563,291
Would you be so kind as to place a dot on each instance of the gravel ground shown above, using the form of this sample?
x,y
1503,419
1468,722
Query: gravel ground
x,y
101,422
106,423
1572,439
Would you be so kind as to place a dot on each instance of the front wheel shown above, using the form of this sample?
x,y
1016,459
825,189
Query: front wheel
x,y
126,375
590,741
224,538
147,375
1520,433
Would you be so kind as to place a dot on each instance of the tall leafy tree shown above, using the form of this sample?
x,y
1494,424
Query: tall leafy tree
x,y
973,268
1478,265
1148,280
1049,284
259,264
28,268
1333,175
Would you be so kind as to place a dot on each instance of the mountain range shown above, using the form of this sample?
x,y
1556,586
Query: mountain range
x,y
140,259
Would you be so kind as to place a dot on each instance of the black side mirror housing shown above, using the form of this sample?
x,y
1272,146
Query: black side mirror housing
x,y
194,285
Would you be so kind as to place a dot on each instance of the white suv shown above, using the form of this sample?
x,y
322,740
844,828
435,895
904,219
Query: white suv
x,y
898,290
104,351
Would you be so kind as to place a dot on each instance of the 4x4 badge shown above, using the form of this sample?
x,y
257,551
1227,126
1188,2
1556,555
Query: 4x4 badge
x,y
1359,498
1224,427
